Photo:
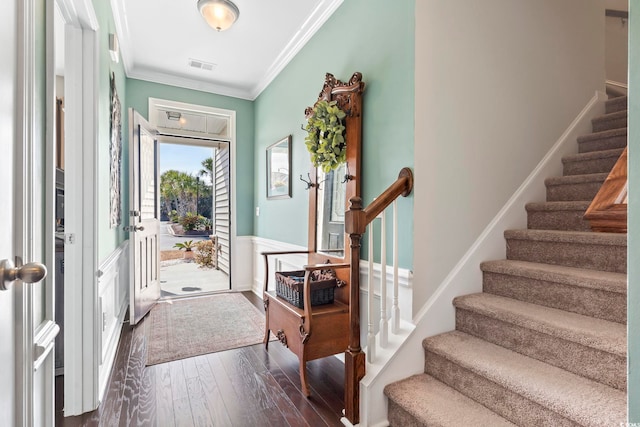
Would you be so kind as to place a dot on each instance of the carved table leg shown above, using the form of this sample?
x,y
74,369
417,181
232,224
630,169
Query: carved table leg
x,y
303,377
266,322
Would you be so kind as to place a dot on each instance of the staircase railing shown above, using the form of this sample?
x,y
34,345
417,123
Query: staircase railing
x,y
608,210
357,219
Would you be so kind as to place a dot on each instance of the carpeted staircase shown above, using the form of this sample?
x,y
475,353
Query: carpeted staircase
x,y
545,343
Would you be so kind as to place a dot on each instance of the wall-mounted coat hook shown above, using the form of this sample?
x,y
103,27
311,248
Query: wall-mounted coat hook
x,y
308,183
347,177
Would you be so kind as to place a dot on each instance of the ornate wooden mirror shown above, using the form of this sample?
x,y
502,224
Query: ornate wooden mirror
x,y
330,194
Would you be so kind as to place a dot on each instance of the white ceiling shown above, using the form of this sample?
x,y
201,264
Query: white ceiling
x,y
159,37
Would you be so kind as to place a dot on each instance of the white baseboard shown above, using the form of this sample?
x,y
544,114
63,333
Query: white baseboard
x,y
438,315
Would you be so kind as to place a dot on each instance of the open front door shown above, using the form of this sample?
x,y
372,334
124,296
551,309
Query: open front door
x,y
144,217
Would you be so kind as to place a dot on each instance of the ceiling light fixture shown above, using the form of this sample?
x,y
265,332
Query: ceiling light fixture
x,y
219,14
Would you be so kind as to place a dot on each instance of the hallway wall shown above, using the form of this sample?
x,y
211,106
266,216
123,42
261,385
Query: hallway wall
x,y
373,37
109,238
497,82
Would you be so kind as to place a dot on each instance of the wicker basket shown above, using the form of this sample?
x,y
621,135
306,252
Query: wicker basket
x,y
290,286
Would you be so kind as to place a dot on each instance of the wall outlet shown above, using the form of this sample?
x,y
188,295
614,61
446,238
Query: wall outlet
x,y
257,210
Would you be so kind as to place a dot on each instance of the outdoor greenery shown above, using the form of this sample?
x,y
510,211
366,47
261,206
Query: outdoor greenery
x,y
181,193
204,253
191,221
187,245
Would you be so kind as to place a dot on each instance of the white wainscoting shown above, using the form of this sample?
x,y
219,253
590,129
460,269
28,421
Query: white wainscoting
x,y
297,261
276,263
242,263
113,301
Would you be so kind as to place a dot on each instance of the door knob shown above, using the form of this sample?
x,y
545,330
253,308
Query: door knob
x,y
29,273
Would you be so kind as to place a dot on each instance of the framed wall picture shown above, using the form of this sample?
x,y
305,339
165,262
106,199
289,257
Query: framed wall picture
x,y
279,169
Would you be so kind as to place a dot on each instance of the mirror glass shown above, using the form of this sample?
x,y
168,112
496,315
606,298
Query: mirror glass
x,y
331,205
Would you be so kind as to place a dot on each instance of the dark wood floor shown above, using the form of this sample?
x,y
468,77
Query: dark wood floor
x,y
249,386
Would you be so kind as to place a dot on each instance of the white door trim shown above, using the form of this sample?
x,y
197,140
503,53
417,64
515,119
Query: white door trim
x,y
81,339
24,248
236,271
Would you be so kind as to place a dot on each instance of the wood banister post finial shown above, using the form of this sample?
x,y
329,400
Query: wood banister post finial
x,y
355,219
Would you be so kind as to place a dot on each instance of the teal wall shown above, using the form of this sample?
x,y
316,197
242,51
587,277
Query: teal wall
x,y
138,94
109,238
373,37
633,295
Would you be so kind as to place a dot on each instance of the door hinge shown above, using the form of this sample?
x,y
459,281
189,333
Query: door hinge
x,y
134,213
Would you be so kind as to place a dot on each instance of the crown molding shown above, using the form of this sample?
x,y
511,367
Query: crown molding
x,y
155,76
316,20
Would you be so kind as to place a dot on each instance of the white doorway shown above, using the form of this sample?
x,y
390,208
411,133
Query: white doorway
x,y
194,211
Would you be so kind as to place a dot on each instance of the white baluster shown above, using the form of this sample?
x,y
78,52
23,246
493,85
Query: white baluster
x,y
395,310
371,338
384,321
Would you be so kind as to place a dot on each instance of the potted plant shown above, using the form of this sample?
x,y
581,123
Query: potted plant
x,y
187,245
325,140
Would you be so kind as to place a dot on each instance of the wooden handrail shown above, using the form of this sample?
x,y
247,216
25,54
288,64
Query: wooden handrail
x,y
608,210
401,187
356,221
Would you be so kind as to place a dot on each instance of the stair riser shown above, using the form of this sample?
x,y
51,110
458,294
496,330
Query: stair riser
x,y
397,416
573,192
597,303
510,405
594,364
589,166
615,105
602,144
557,220
602,125
591,256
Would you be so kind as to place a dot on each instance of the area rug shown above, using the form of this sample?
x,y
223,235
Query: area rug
x,y
178,329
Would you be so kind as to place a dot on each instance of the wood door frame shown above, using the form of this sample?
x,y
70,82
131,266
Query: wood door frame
x,y
82,346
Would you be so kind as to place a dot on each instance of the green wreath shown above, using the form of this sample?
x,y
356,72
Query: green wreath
x,y
325,140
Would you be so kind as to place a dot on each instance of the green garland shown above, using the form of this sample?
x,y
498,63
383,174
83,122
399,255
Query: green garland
x,y
325,140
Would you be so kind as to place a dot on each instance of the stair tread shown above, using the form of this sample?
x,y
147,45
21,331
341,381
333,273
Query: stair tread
x,y
581,277
593,155
603,134
579,399
617,99
576,179
558,206
434,403
611,116
584,237
588,331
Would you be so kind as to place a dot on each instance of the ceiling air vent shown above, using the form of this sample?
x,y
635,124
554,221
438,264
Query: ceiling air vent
x,y
207,66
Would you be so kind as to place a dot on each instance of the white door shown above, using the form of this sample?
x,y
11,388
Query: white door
x,y
27,331
144,218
